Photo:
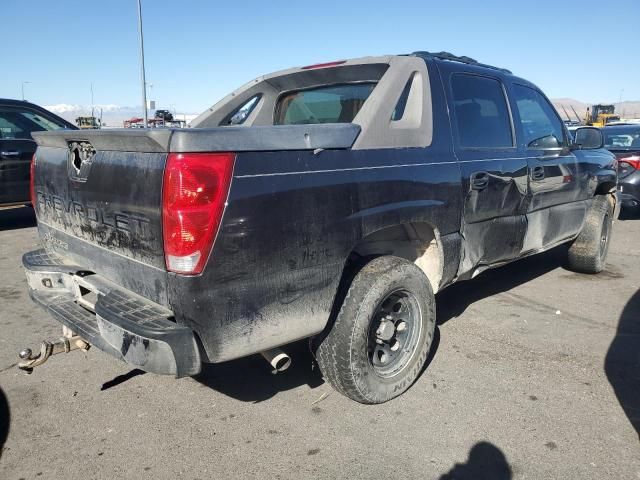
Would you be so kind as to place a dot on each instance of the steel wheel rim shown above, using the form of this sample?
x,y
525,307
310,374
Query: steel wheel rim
x,y
394,332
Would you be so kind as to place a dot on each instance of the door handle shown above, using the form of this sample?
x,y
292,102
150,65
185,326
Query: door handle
x,y
479,180
10,153
537,173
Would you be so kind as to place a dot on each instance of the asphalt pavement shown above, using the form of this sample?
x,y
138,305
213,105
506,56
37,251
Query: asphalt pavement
x,y
535,375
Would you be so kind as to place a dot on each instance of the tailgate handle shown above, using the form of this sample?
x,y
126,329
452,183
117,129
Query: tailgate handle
x,y
10,153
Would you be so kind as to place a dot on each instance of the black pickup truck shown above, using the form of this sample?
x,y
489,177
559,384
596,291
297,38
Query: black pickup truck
x,y
328,202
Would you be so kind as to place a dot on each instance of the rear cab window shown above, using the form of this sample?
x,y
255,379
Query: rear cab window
x,y
326,104
622,138
482,115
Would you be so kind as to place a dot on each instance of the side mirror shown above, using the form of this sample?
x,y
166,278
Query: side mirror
x,y
588,138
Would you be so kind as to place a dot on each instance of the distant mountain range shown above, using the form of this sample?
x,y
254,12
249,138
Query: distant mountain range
x,y
628,109
112,115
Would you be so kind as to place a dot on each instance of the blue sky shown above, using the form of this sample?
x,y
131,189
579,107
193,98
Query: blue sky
x,y
197,50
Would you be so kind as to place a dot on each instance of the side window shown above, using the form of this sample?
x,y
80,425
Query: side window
x,y
41,121
398,111
18,124
408,110
541,126
241,114
481,111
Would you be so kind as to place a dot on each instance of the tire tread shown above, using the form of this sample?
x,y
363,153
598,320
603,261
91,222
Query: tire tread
x,y
334,352
584,253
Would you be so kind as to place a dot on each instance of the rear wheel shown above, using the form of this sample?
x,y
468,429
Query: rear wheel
x,y
588,253
380,340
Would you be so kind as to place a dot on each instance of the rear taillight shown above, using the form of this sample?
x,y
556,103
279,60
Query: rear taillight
x,y
627,165
32,182
194,194
633,160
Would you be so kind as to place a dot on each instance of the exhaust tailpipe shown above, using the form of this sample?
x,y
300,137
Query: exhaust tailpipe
x,y
278,360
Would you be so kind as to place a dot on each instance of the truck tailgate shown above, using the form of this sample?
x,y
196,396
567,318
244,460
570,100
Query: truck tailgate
x,y
105,215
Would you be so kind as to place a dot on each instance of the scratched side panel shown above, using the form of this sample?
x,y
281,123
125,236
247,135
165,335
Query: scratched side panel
x,y
291,222
494,222
506,190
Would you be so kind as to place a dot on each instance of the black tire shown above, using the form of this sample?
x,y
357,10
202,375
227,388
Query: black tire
x,y
351,360
588,252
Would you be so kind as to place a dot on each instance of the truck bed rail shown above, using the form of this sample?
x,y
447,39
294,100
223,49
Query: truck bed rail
x,y
234,139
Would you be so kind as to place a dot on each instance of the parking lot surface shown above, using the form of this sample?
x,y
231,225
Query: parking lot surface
x,y
535,375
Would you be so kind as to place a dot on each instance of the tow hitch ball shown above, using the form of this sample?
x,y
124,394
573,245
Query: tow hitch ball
x,y
63,345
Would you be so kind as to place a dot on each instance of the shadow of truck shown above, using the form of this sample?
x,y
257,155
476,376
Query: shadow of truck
x,y
622,363
5,420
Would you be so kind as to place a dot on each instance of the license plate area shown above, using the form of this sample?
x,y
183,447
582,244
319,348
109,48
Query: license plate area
x,y
85,290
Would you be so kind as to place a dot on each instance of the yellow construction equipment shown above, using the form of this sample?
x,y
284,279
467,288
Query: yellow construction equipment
x,y
600,115
88,123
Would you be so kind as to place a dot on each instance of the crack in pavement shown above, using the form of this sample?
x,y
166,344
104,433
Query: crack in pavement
x,y
4,369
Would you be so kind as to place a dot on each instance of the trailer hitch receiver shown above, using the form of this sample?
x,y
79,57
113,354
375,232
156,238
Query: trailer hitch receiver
x,y
47,349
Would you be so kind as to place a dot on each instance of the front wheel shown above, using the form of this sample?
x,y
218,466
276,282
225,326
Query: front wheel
x,y
588,253
382,335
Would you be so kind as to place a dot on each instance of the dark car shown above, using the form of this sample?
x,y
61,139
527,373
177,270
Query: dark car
x,y
346,196
18,119
624,142
165,115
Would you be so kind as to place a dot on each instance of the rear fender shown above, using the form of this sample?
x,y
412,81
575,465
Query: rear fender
x,y
409,230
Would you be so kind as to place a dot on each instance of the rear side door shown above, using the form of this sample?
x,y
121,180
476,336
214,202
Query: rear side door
x,y
556,181
17,148
494,172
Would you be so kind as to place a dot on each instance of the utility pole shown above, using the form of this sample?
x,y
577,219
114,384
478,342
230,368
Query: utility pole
x,y
92,99
22,88
144,81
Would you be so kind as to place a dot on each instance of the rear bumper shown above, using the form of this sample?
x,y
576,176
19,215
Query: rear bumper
x,y
116,321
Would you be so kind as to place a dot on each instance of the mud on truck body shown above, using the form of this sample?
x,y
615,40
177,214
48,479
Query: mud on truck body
x,y
328,202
